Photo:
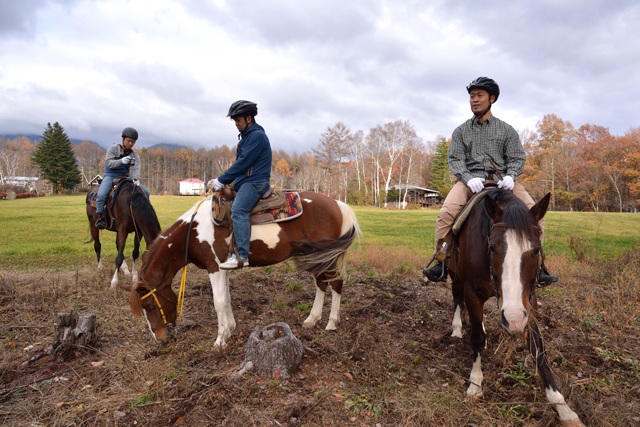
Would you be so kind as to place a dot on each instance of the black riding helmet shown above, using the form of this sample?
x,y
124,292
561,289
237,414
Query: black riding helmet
x,y
130,133
487,84
243,109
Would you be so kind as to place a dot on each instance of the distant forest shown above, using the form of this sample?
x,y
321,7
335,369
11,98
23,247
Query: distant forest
x,y
585,169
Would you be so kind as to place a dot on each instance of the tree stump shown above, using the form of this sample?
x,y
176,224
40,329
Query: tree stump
x,y
272,350
73,332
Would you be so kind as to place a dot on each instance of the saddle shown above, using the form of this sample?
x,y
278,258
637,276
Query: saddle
x,y
92,196
273,206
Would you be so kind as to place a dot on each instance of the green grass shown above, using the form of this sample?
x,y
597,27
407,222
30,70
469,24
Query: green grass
x,y
50,232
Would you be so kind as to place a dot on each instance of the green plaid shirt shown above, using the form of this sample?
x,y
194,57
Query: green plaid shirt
x,y
472,142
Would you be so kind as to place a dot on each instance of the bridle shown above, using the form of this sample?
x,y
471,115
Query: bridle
x,y
153,294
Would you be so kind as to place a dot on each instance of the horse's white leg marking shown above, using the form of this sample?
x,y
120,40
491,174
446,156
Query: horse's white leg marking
x,y
222,303
512,288
334,316
100,267
316,310
476,377
565,414
125,268
457,323
134,273
114,279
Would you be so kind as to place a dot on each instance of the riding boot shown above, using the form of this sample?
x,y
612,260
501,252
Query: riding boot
x,y
544,278
436,273
101,223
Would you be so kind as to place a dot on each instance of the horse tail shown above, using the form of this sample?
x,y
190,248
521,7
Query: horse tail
x,y
329,256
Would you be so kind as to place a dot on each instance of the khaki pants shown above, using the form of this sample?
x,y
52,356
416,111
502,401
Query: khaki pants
x,y
457,198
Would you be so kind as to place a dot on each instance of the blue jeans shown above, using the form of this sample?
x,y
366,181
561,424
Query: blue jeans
x,y
103,192
247,196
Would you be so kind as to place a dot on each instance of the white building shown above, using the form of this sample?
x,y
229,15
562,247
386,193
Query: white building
x,y
191,187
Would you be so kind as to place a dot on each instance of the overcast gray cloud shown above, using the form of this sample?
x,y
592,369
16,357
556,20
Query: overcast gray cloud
x,y
171,68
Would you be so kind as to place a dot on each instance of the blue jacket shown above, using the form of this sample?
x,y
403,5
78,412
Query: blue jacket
x,y
253,159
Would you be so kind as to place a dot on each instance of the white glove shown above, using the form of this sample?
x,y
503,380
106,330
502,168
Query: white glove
x,y
136,182
126,160
475,184
506,183
215,184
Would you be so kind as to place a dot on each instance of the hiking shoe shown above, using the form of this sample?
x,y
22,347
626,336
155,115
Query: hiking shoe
x,y
101,224
232,263
545,279
434,273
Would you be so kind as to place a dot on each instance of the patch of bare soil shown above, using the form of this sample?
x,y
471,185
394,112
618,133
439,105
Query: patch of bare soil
x,y
392,361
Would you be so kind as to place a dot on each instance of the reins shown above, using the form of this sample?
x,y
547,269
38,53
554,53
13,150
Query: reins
x,y
183,280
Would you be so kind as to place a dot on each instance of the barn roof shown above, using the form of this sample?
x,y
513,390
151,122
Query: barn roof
x,y
193,180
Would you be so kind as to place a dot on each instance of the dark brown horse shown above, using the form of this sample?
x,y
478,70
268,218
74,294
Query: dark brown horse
x,y
131,213
317,241
497,253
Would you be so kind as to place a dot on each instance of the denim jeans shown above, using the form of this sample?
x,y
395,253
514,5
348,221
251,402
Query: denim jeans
x,y
103,192
247,196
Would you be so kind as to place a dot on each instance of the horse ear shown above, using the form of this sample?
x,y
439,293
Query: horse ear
x,y
540,209
492,208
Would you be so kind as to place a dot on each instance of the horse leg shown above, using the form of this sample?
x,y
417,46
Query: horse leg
x,y
222,303
567,417
475,309
318,303
336,296
121,240
135,255
97,246
457,289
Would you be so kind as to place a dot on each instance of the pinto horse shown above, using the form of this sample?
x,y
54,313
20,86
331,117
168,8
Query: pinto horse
x,y
497,253
131,213
317,241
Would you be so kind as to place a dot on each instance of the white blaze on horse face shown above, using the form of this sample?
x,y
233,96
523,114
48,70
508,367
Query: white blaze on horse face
x,y
512,287
144,313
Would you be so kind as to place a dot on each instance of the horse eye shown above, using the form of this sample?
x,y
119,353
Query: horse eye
x,y
492,249
536,251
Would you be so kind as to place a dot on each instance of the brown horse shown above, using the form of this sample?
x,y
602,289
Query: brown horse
x,y
317,241
131,213
497,253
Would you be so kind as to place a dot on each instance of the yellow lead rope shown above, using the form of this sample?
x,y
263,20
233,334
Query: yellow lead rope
x,y
183,280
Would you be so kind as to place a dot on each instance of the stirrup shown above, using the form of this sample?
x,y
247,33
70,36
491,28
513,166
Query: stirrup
x,y
430,274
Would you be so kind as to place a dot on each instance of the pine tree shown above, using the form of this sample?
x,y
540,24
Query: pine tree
x,y
56,160
441,177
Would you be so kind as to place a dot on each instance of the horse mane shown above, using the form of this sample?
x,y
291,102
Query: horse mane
x,y
144,211
515,214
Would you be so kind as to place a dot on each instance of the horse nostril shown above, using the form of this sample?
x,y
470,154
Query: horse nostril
x,y
169,325
503,319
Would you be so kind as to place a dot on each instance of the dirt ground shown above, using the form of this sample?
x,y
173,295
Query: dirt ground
x,y
392,361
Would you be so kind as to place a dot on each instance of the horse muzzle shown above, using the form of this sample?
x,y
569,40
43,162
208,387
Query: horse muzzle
x,y
514,321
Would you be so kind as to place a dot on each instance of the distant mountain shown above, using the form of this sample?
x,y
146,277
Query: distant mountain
x,y
37,138
167,146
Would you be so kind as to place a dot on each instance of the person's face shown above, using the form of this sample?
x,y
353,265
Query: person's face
x,y
128,143
480,100
242,123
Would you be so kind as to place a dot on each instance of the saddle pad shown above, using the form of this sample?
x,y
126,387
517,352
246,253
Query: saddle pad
x,y
290,209
464,213
92,196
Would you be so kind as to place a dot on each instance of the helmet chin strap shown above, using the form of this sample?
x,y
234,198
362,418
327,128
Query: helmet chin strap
x,y
481,114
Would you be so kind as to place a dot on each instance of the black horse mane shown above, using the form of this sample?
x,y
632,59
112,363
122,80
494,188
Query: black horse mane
x,y
515,214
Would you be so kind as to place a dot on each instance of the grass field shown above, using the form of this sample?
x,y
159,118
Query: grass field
x,y
392,361
50,232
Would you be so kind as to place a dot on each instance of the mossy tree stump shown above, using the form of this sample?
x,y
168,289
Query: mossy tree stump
x,y
273,350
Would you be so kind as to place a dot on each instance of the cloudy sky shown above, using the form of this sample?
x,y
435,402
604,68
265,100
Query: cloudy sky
x,y
171,68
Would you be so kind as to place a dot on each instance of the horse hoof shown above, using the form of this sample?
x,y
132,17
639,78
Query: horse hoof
x,y
572,423
308,325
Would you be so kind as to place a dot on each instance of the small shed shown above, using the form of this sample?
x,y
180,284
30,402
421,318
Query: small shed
x,y
191,187
424,197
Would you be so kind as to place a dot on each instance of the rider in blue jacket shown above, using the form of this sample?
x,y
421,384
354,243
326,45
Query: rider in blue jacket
x,y
250,175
